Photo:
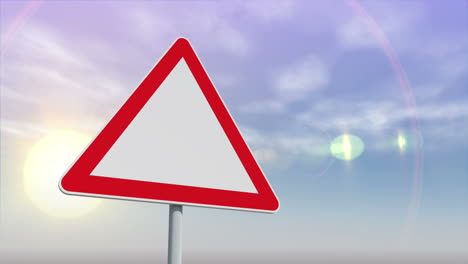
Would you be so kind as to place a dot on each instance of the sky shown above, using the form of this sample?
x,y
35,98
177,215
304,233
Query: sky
x,y
294,75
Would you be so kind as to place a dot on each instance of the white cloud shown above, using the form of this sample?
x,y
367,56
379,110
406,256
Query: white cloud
x,y
313,143
144,21
448,64
223,80
266,106
281,148
15,96
395,20
403,25
208,25
48,78
265,155
448,111
38,43
12,130
379,116
213,26
20,128
292,82
354,33
253,136
268,11
300,78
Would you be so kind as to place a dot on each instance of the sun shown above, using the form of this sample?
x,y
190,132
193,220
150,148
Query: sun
x,y
45,164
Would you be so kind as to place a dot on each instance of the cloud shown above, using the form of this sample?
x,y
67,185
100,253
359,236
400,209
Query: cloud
x,y
354,34
312,145
302,143
11,130
301,78
262,107
265,155
15,96
395,20
449,111
214,27
291,83
281,149
48,78
20,128
404,25
376,117
447,67
268,12
208,25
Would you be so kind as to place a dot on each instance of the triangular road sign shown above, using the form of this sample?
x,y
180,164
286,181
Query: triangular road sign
x,y
173,141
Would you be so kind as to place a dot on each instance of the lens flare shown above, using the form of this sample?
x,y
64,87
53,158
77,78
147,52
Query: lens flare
x,y
347,147
404,84
46,162
402,142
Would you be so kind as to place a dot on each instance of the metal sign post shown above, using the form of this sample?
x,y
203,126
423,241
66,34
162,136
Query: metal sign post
x,y
174,253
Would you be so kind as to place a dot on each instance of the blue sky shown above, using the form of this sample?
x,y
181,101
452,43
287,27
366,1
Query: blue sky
x,y
295,75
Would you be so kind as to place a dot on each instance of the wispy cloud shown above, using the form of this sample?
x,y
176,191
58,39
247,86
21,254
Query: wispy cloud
x,y
208,25
282,149
265,155
272,106
403,24
448,66
353,34
374,117
266,11
47,77
20,128
270,146
377,122
301,77
291,83
213,26
397,21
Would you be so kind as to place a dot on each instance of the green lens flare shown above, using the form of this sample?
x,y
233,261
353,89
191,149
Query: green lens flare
x,y
402,143
346,147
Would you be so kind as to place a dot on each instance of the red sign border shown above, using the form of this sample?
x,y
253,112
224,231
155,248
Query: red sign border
x,y
79,181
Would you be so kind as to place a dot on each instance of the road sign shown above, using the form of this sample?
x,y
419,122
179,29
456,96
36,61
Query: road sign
x,y
173,141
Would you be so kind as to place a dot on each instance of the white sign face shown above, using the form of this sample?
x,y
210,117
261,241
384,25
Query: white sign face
x,y
176,139
173,141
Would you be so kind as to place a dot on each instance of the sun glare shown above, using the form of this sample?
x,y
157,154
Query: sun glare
x,y
45,164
